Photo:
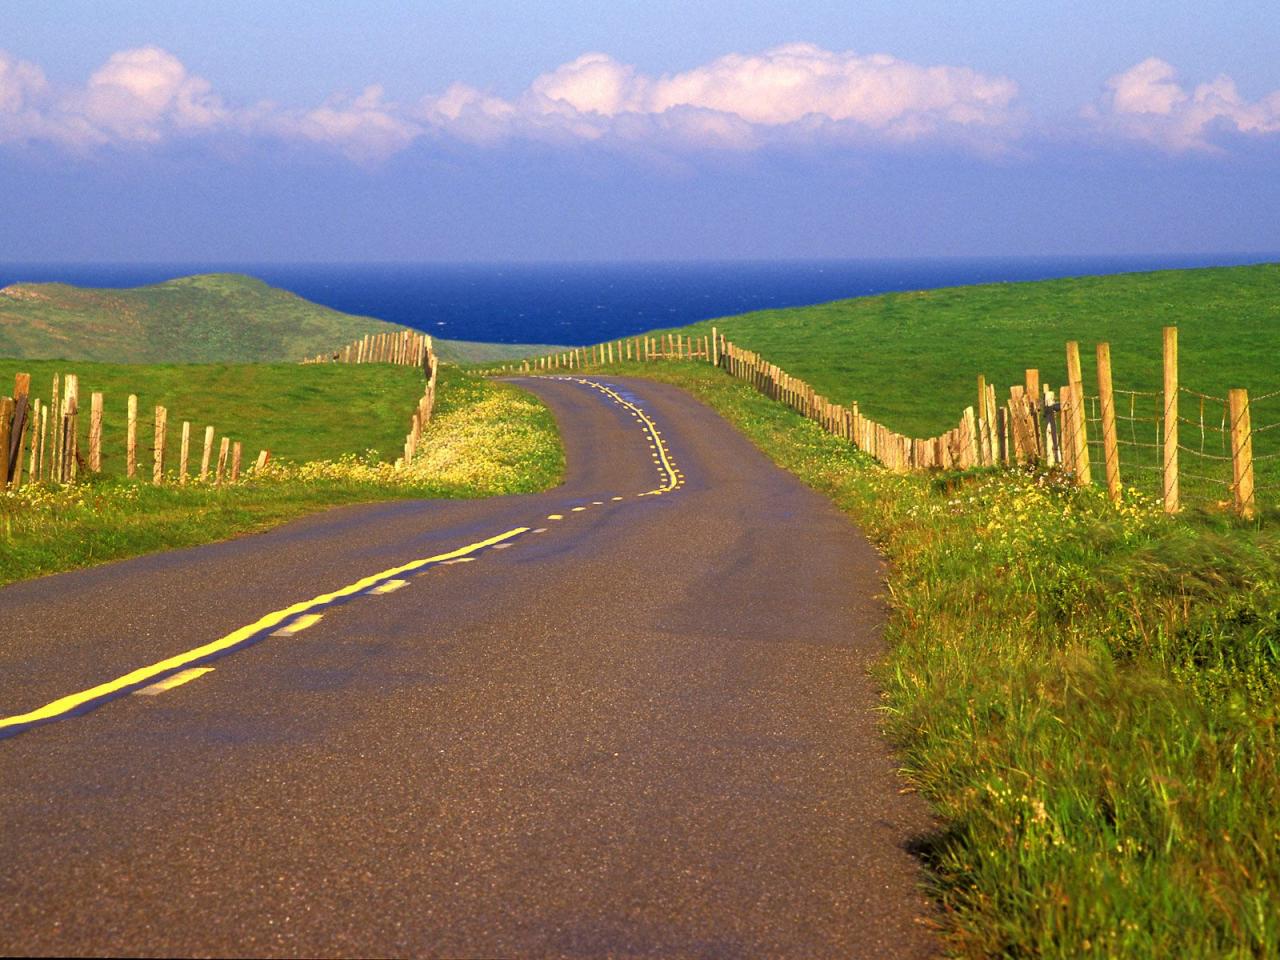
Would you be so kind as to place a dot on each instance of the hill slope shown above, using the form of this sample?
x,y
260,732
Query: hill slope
x,y
911,359
208,318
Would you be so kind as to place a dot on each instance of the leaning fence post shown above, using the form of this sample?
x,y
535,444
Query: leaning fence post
x,y
1241,453
7,407
1170,469
1110,442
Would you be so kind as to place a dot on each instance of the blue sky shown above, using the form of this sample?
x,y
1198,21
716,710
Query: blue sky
x,y
464,131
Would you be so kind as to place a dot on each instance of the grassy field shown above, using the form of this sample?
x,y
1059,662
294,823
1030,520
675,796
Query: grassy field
x,y
911,360
297,412
48,528
208,318
1087,696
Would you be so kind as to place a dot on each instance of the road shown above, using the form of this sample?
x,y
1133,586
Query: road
x,y
630,716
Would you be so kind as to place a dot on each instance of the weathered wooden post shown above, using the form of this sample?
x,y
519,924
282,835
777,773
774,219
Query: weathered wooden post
x,y
184,452
161,438
1172,502
223,449
1079,424
131,439
207,454
1110,442
235,461
95,432
7,408
55,431
21,427
1241,453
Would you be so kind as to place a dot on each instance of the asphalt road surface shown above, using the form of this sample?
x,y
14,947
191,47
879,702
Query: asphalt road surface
x,y
627,717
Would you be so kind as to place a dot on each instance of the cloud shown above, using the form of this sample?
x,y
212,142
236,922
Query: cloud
x,y
738,99
796,93
137,96
366,128
1147,103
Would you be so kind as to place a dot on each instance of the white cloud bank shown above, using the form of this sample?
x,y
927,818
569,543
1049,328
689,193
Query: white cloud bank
x,y
1146,102
738,101
137,96
796,93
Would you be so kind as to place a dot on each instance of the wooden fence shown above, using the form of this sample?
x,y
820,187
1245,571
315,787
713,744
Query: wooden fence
x,y
407,348
41,442
422,414
1113,434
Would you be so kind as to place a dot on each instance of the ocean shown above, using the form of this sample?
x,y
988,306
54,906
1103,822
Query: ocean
x,y
582,303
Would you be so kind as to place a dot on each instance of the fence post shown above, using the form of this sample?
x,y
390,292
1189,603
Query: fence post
x,y
1079,424
184,453
1170,468
161,436
7,407
131,439
207,454
1110,442
42,442
235,461
1241,453
20,428
223,449
95,432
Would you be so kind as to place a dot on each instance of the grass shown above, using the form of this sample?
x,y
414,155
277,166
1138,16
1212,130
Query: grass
x,y
310,412
911,360
47,528
1087,696
206,318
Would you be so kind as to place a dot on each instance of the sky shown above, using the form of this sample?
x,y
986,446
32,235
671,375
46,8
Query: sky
x,y
380,131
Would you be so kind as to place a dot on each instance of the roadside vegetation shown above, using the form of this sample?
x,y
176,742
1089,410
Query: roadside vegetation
x,y
1087,696
46,528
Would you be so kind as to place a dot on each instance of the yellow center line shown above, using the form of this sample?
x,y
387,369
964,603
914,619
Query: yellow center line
x,y
65,705
650,426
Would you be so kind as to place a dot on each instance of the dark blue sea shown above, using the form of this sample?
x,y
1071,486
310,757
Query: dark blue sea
x,y
581,303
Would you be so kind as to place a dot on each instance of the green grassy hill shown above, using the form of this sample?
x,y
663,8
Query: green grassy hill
x,y
912,359
209,318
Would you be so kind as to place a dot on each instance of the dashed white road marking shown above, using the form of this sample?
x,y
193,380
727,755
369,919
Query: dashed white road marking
x,y
297,626
177,680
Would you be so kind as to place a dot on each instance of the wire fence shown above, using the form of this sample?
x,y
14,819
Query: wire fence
x,y
1187,447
